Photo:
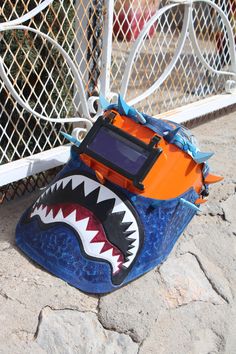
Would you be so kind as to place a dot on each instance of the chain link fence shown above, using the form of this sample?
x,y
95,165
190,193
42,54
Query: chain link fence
x,y
40,74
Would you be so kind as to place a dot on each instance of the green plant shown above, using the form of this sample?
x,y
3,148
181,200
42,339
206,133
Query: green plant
x,y
28,57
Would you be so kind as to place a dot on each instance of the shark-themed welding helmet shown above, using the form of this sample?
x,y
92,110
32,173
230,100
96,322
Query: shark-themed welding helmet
x,y
117,208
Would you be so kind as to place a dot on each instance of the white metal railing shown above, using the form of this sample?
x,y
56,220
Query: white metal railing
x,y
218,71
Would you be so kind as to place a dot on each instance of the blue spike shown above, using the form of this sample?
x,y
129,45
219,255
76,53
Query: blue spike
x,y
201,157
136,115
126,110
189,204
171,134
141,117
123,108
104,103
71,139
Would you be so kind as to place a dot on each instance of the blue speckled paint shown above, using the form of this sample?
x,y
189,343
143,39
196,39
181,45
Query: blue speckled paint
x,y
57,248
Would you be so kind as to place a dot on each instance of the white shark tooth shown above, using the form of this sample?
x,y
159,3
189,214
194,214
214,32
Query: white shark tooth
x,y
116,258
101,244
128,261
71,217
90,234
51,188
37,209
58,184
118,266
132,251
50,214
132,236
34,205
76,181
34,212
130,257
41,197
118,207
134,248
44,194
104,194
89,186
41,210
59,215
108,253
135,243
96,247
128,216
83,223
65,181
47,191
43,214
130,228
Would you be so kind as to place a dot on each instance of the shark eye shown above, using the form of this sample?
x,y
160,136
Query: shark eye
x,y
120,151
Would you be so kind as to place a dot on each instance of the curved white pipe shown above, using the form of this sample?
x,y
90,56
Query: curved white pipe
x,y
26,106
27,16
87,107
230,37
70,63
136,46
171,65
187,28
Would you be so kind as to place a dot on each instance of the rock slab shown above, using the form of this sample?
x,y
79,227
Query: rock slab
x,y
71,331
186,282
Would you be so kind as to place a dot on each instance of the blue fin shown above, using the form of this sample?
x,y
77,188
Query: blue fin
x,y
131,112
136,115
71,139
189,204
171,134
201,157
123,108
104,103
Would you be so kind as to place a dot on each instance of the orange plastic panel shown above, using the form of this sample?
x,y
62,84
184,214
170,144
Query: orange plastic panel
x,y
173,173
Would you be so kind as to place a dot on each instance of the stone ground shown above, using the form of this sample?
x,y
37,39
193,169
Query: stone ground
x,y
186,306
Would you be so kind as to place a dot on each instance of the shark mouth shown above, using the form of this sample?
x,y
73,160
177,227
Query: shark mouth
x,y
106,224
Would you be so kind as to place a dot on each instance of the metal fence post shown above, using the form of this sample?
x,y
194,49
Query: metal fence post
x,y
81,44
107,49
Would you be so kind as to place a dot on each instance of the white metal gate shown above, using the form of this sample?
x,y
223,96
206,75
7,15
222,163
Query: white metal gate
x,y
56,55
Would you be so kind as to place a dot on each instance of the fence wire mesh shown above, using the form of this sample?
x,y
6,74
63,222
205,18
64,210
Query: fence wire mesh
x,y
40,74
189,81
27,185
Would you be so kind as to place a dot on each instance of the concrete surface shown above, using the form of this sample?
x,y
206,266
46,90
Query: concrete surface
x,y
186,306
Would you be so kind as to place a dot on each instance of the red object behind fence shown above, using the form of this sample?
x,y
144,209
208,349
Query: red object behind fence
x,y
221,38
128,25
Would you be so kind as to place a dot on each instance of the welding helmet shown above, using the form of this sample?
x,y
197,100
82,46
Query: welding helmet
x,y
116,209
